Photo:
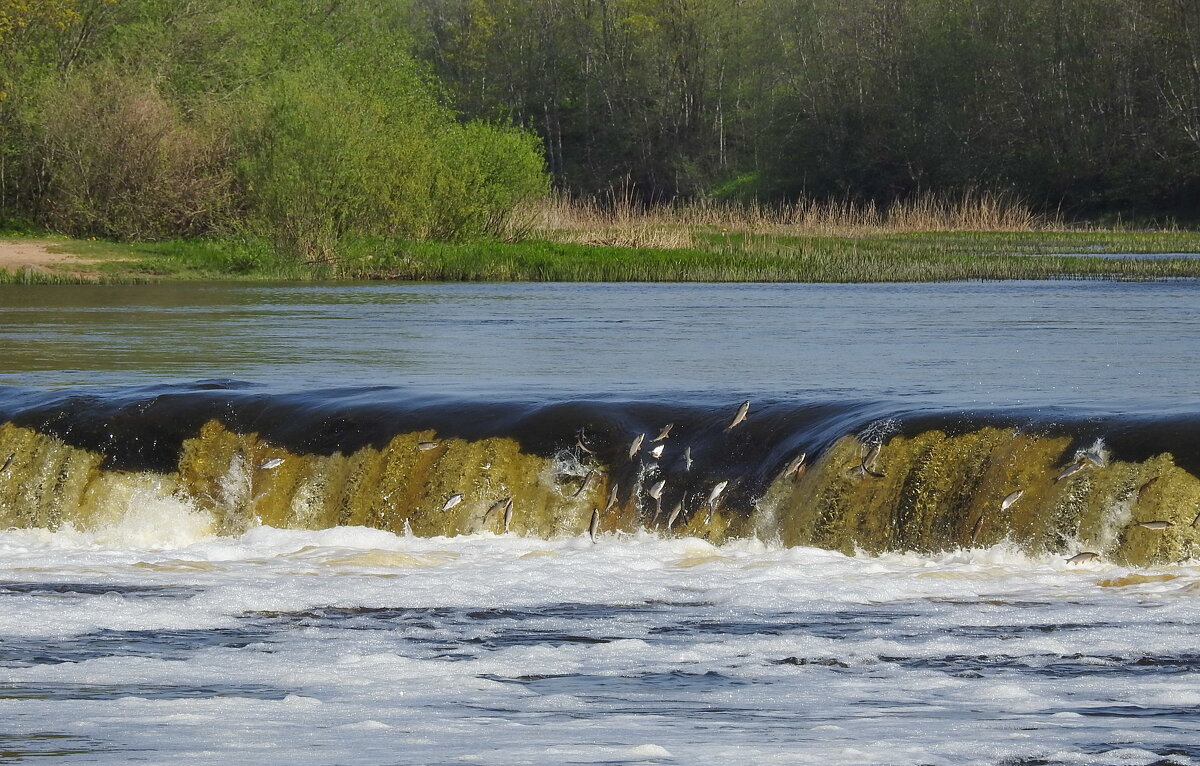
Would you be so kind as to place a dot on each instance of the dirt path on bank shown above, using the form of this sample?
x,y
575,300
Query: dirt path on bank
x,y
32,254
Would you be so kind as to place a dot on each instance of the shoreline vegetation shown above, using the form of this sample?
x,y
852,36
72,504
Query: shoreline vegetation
x,y
462,140
616,239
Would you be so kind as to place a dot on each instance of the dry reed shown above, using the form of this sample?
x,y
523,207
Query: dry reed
x,y
618,220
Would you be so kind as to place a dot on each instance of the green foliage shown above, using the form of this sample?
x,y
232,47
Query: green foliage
x,y
121,161
333,156
716,256
1084,105
303,121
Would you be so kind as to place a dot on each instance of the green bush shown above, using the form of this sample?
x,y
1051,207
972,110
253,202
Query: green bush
x,y
330,156
120,161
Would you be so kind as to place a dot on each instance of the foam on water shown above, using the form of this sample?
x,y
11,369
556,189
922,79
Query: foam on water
x,y
354,645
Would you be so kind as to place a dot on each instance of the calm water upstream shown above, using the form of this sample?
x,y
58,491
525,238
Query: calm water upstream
x,y
1099,344
146,622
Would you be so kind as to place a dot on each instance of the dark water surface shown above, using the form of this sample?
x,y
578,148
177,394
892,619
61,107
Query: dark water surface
x,y
1094,344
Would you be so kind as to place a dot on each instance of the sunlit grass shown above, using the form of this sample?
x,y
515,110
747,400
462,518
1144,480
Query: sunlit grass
x,y
691,247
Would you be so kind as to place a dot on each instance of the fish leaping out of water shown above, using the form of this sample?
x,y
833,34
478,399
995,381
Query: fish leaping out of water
x,y
1010,499
452,501
637,445
740,415
664,433
796,467
1155,526
678,509
594,527
1071,470
274,462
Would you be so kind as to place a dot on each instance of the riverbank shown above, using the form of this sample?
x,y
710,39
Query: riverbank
x,y
712,255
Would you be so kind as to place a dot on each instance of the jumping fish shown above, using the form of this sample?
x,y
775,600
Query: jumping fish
x,y
1156,526
716,492
871,456
793,468
496,507
508,513
426,446
1012,498
978,526
637,445
612,499
587,482
452,501
579,442
687,459
274,462
664,433
1094,457
678,509
595,525
8,461
656,453
657,488
1071,470
740,416
1079,558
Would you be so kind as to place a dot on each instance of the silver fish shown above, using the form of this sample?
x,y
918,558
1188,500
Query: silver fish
x,y
426,446
740,416
678,509
496,507
587,482
1095,458
656,453
664,433
274,462
637,445
452,501
612,499
595,525
657,488
8,462
793,468
1010,499
687,459
978,526
1071,470
715,493
868,461
579,442
861,470
1156,526
508,514
1079,558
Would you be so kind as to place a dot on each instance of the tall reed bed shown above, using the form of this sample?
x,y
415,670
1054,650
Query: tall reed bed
x,y
617,219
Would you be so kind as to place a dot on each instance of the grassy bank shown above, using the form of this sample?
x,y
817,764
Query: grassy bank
x,y
711,255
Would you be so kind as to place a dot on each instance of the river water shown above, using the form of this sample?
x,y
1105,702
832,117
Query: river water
x,y
153,634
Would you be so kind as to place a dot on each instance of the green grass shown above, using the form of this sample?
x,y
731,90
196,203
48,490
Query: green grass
x,y
717,257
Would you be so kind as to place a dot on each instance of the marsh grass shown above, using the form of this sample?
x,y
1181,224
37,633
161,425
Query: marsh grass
x,y
617,219
573,241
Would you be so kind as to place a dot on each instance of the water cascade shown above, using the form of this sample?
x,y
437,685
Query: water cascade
x,y
871,480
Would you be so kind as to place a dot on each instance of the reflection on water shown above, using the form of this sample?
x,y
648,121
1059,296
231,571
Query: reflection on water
x,y
958,344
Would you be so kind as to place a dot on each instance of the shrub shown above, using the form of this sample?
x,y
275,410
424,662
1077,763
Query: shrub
x,y
120,161
331,156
